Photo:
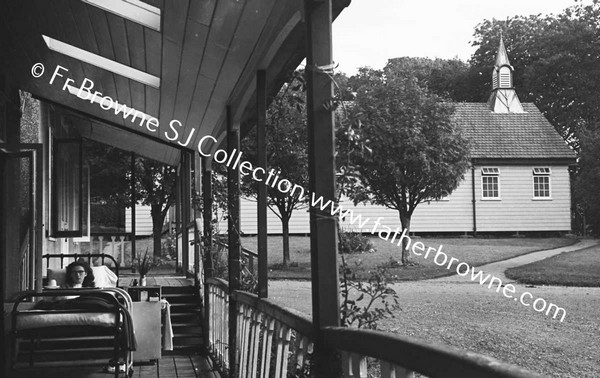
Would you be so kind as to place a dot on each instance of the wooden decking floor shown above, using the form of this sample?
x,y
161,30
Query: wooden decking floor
x,y
194,366
126,279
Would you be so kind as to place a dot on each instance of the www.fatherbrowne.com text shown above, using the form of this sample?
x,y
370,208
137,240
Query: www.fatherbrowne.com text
x,y
440,258
234,160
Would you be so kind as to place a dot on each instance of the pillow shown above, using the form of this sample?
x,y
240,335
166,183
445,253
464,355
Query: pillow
x,y
104,277
60,275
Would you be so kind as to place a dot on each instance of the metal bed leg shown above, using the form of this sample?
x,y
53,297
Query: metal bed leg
x,y
31,351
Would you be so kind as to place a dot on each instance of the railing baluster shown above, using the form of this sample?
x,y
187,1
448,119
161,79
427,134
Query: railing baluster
x,y
249,348
301,351
244,332
286,348
113,238
211,319
122,249
265,369
279,348
283,343
354,365
387,370
359,365
346,364
254,343
100,238
225,328
220,316
404,373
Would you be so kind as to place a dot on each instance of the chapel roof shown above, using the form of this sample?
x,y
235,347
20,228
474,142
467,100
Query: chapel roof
x,y
526,135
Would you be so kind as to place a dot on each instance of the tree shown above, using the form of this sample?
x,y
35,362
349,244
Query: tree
x,y
587,181
286,141
556,64
447,78
111,185
155,186
417,153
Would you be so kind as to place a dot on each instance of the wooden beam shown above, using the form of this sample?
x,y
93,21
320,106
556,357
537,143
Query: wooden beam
x,y
321,164
175,21
233,232
261,89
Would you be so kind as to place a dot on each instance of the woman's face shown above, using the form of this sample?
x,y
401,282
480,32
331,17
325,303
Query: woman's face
x,y
78,275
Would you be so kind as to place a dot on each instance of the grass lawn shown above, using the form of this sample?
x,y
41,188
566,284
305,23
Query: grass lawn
x,y
474,251
579,268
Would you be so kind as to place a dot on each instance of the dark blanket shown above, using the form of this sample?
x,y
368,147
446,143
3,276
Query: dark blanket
x,y
100,302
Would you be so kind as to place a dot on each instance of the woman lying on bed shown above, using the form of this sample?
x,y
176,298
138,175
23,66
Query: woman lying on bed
x,y
79,275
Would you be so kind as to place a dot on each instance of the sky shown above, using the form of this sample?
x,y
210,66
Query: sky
x,y
369,32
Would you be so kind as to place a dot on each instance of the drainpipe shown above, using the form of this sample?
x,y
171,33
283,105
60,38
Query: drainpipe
x,y
473,199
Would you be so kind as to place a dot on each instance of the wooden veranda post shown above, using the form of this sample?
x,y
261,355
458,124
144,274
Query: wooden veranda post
x,y
133,202
207,204
207,237
185,186
261,95
233,233
321,164
196,187
178,217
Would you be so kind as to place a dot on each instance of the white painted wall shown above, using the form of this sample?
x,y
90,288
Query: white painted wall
x,y
516,211
143,220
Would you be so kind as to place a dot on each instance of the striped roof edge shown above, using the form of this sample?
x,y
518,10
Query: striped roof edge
x,y
526,135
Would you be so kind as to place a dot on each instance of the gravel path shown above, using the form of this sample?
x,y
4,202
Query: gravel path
x,y
458,312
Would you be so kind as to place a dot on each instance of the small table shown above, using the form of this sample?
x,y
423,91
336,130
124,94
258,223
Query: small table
x,y
144,293
146,316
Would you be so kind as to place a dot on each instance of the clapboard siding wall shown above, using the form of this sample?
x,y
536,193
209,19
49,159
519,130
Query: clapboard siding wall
x,y
299,222
143,220
515,211
518,210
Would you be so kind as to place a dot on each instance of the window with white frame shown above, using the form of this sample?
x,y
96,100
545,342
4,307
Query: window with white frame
x,y
490,183
541,183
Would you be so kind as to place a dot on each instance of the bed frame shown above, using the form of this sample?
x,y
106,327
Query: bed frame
x,y
121,308
86,256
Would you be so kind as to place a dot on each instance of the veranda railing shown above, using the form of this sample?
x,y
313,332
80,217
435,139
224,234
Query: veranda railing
x,y
273,341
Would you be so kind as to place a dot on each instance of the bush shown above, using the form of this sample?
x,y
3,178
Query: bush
x,y
219,253
366,302
351,242
107,217
169,247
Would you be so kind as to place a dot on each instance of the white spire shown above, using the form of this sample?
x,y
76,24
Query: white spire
x,y
503,98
